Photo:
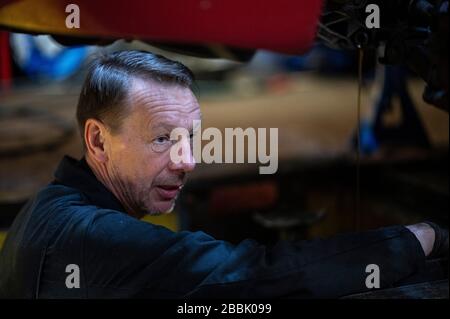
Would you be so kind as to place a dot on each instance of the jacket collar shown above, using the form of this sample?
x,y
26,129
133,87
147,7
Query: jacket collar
x,y
78,174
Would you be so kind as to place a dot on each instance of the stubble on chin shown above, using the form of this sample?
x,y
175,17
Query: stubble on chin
x,y
139,199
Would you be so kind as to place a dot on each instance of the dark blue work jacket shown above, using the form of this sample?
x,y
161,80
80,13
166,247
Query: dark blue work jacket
x,y
74,240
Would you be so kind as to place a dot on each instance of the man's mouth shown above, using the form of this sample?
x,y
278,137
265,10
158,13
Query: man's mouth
x,y
168,192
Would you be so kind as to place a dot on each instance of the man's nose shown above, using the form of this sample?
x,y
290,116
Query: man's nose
x,y
185,160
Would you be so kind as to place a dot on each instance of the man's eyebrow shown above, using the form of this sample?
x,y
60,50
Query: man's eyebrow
x,y
169,127
159,125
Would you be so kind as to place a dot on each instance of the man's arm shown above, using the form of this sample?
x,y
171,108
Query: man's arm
x,y
129,258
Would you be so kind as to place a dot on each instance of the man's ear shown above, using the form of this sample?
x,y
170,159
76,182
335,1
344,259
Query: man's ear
x,y
95,135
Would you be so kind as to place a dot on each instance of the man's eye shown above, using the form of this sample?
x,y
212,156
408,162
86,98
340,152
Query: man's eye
x,y
161,140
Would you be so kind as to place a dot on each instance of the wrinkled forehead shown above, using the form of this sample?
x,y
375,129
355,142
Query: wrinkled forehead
x,y
154,103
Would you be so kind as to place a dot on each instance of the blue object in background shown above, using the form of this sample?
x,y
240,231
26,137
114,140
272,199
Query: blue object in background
x,y
409,131
321,58
41,56
58,67
369,142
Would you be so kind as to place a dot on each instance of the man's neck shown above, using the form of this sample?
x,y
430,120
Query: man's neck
x,y
101,173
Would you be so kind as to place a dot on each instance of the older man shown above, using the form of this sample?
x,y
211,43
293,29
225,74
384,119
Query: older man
x,y
81,235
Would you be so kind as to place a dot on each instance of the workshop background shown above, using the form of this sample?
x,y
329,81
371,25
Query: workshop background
x,y
343,166
311,99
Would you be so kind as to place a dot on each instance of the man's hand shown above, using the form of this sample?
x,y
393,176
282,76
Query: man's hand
x,y
432,238
425,235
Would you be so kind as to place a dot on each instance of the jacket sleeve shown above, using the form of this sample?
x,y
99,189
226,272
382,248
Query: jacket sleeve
x,y
127,257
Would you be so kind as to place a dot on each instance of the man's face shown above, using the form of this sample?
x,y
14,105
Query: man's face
x,y
139,154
